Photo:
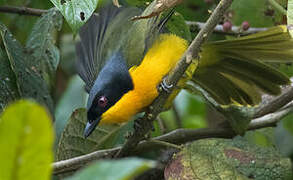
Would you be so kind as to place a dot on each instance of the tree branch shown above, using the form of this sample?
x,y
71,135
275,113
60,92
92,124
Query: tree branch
x,y
276,103
193,24
178,136
22,10
219,29
145,123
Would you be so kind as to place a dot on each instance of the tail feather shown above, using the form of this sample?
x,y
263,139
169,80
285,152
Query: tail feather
x,y
232,71
273,45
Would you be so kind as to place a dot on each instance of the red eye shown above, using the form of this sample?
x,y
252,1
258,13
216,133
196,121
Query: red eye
x,y
102,102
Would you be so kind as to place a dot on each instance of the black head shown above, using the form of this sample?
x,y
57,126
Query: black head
x,y
111,84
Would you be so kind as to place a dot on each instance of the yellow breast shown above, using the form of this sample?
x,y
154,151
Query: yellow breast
x,y
159,60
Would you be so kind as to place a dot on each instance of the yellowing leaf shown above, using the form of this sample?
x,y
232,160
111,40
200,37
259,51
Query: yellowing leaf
x,y
26,139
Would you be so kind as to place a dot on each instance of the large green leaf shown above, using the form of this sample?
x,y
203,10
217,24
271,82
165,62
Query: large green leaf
x,y
228,159
26,139
29,80
72,142
8,89
76,12
122,169
40,44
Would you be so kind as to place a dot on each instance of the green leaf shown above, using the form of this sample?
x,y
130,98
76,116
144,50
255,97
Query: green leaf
x,y
122,169
26,139
40,45
290,16
228,159
76,12
29,80
8,89
72,142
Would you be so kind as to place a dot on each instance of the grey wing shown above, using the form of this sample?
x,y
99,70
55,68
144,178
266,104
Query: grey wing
x,y
89,49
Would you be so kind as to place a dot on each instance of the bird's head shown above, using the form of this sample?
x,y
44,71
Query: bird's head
x,y
111,84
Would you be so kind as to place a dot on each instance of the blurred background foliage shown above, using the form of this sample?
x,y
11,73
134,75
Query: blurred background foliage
x,y
188,111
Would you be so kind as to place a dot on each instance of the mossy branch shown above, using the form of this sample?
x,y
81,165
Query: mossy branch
x,y
145,123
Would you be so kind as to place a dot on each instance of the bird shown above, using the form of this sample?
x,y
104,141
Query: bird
x,y
123,62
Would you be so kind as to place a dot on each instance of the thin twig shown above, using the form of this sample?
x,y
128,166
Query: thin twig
x,y
22,10
193,24
276,103
178,136
192,52
270,118
77,162
219,29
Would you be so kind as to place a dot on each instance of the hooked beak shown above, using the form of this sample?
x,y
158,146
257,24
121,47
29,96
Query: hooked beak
x,y
90,127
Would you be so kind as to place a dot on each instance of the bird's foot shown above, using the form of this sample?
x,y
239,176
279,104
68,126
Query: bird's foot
x,y
164,86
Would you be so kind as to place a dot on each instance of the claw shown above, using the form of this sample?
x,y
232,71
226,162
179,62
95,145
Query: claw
x,y
164,86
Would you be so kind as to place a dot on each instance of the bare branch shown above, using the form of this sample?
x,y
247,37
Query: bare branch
x,y
178,136
22,10
77,162
276,103
219,29
193,24
271,118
